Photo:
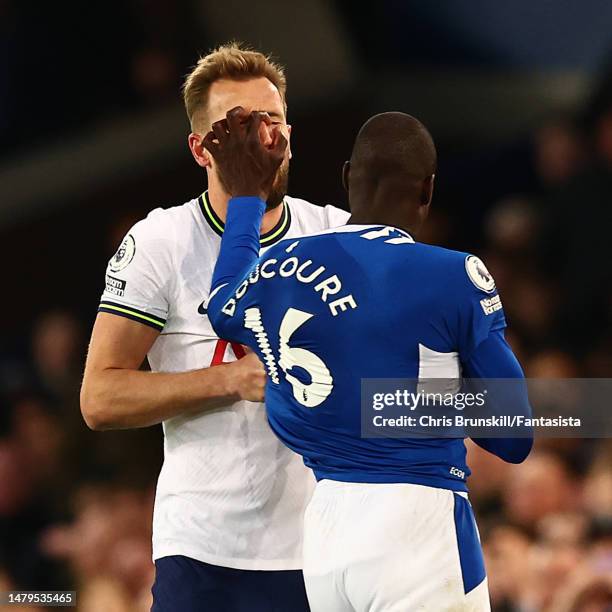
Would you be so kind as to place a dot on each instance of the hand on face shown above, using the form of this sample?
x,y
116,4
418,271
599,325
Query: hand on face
x,y
248,151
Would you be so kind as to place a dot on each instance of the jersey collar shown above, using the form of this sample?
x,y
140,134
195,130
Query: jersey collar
x,y
270,237
353,227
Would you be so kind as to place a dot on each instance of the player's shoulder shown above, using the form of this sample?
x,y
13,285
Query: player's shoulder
x,y
437,255
166,223
461,270
312,217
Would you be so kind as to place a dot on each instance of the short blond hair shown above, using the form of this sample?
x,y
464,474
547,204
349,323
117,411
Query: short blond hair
x,y
232,61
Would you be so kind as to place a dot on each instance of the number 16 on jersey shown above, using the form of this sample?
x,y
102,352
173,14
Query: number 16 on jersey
x,y
307,373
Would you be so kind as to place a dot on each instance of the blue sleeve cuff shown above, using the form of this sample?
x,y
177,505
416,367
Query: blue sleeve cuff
x,y
247,201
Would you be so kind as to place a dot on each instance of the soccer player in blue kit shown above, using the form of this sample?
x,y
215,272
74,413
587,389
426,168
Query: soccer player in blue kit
x,y
389,527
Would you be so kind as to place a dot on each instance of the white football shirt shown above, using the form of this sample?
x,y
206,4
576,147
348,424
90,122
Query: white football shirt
x,y
229,492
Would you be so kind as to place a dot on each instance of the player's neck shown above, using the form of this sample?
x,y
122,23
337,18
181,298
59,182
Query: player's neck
x,y
371,207
381,204
219,199
383,218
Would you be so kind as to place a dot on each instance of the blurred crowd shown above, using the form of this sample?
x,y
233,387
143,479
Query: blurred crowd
x,y
135,54
546,525
76,506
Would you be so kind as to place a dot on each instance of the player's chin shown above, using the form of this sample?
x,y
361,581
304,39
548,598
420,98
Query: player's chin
x,y
279,189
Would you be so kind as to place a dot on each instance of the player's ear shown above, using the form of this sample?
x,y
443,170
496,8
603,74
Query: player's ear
x,y
289,140
200,154
346,170
427,190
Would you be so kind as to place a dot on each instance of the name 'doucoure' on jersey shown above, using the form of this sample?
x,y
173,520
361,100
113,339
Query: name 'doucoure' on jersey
x,y
325,311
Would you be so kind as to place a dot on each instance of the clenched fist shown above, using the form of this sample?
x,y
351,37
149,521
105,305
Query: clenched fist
x,y
248,378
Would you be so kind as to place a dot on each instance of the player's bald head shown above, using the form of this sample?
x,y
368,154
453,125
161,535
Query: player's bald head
x,y
391,173
393,146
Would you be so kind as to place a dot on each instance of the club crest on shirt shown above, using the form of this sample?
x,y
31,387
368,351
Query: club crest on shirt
x,y
478,274
124,255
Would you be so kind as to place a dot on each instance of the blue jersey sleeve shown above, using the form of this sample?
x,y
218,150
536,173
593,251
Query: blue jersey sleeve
x,y
479,309
239,254
477,320
493,359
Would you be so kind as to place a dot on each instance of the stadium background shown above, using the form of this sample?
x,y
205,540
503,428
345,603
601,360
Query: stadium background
x,y
518,96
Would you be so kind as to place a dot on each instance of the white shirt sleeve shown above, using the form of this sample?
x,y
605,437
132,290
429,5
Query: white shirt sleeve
x,y
335,217
139,275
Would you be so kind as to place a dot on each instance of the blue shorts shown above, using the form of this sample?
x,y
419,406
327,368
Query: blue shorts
x,y
186,585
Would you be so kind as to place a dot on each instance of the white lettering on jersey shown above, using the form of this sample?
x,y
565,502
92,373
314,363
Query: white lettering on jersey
x,y
230,307
342,303
242,289
288,270
289,267
308,279
457,472
254,275
252,321
264,268
321,381
330,286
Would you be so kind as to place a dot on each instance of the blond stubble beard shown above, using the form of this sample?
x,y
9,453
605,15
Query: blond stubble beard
x,y
279,187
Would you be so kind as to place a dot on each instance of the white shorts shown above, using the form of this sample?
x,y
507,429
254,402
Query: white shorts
x,y
392,548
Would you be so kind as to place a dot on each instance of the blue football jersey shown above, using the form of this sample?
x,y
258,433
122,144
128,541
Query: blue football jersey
x,y
325,311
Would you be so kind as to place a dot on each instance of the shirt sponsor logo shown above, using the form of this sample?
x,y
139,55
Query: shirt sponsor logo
x,y
491,305
457,472
116,286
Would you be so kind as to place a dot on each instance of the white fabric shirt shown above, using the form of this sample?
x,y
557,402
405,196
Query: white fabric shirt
x,y
229,492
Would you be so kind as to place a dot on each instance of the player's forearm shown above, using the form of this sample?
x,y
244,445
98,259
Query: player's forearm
x,y
121,398
240,242
511,450
493,359
239,252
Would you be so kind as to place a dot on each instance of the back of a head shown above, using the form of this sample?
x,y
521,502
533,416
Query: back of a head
x,y
393,148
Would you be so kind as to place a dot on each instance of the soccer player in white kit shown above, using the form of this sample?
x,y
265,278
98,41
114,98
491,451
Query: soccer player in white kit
x,y
230,500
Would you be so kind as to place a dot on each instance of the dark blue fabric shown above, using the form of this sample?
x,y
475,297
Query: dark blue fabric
x,y
325,311
240,244
186,585
470,552
493,358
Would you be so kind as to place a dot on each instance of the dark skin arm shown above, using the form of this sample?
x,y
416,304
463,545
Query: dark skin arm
x,y
246,167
